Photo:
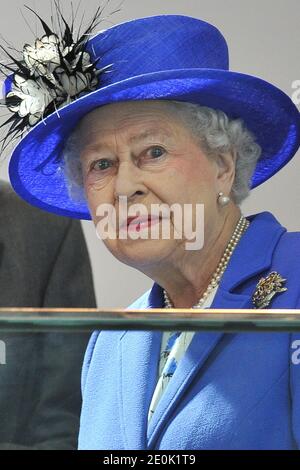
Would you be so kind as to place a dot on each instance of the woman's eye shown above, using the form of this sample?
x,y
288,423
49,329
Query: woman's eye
x,y
101,165
156,152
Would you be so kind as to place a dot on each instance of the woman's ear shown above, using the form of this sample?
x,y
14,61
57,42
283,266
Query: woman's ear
x,y
226,171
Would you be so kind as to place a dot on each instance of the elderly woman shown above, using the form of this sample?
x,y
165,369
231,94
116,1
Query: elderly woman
x,y
226,387
168,124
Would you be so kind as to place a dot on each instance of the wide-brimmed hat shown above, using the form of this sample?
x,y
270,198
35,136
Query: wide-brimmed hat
x,y
166,57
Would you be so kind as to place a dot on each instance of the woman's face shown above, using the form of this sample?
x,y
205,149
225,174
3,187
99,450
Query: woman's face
x,y
141,151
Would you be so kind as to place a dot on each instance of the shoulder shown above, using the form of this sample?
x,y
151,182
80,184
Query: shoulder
x,y
269,234
285,261
288,248
291,238
24,221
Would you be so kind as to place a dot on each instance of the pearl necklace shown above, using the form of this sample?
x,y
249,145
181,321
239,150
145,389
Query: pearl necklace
x,y
241,227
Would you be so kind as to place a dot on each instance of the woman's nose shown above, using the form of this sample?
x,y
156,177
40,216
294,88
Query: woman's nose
x,y
128,181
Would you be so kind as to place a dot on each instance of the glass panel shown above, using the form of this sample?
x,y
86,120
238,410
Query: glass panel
x,y
42,351
88,320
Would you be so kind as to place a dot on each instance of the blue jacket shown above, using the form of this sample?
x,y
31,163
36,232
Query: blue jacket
x,y
230,391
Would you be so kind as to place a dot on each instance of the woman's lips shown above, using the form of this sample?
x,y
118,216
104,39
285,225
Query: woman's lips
x,y
136,224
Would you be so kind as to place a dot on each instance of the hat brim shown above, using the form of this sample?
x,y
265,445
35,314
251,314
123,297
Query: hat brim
x,y
35,168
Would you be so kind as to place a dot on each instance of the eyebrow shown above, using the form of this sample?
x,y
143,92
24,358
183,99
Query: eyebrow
x,y
136,138
149,133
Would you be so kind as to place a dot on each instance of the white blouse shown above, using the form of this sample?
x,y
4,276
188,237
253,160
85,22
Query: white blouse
x,y
173,346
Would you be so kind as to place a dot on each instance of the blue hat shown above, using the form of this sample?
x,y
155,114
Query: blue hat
x,y
167,57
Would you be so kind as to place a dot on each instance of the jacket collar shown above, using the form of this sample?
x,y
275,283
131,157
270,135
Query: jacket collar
x,y
253,255
139,352
254,252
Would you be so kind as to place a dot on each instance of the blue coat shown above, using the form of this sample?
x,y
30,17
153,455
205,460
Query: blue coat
x,y
230,391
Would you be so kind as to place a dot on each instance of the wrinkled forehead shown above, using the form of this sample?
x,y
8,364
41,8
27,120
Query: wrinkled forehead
x,y
135,118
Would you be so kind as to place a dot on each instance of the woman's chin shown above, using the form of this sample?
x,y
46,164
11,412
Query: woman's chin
x,y
137,253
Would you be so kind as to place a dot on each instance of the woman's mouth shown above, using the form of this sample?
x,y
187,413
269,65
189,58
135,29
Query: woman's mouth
x,y
136,224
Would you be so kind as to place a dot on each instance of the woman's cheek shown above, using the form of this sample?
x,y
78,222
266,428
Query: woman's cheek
x,y
94,181
97,186
95,197
178,178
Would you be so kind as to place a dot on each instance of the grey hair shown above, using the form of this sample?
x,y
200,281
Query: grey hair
x,y
216,133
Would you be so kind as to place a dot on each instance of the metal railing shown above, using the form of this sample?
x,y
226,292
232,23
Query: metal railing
x,y
85,320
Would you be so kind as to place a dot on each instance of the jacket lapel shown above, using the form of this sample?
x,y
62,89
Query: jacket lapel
x,y
139,353
202,346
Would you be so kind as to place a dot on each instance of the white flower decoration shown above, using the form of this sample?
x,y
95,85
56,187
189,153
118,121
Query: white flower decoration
x,y
34,96
43,57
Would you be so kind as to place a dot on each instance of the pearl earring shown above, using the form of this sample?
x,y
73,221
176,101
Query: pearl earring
x,y
223,200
